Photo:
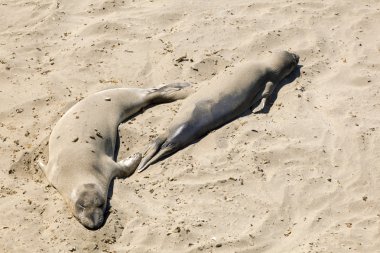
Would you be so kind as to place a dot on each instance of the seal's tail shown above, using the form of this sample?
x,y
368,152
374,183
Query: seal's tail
x,y
170,92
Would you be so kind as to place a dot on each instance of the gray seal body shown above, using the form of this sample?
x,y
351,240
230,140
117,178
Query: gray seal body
x,y
228,96
84,143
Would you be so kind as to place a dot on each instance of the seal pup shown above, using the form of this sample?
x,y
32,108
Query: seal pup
x,y
227,96
84,143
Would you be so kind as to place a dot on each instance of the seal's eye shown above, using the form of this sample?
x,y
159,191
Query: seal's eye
x,y
83,202
81,205
98,201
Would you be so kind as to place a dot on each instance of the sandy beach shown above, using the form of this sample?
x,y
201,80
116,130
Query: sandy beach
x,y
303,177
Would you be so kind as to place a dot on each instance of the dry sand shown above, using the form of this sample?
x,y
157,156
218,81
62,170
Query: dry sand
x,y
305,177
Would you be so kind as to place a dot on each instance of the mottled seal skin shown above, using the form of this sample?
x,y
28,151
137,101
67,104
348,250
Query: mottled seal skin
x,y
84,143
228,96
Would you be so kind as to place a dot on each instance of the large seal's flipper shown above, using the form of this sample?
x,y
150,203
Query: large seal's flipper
x,y
170,92
42,166
128,166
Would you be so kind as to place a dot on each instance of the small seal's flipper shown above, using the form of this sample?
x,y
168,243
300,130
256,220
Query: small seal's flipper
x,y
268,90
165,150
149,154
170,92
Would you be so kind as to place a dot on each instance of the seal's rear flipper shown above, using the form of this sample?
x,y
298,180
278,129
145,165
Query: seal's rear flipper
x,y
164,152
170,92
150,153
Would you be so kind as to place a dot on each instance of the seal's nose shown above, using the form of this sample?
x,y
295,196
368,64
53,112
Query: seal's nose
x,y
93,219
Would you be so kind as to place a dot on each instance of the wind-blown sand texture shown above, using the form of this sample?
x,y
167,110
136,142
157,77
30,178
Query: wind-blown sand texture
x,y
305,177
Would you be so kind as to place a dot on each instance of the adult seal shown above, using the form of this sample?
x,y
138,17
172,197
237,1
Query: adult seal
x,y
227,96
84,143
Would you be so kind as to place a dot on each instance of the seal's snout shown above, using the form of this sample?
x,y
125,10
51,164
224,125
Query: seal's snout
x,y
90,206
92,219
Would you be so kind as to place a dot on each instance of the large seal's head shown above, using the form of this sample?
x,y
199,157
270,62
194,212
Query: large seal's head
x,y
89,205
283,63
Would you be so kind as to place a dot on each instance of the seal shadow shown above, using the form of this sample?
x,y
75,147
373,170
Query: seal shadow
x,y
111,186
115,156
108,205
